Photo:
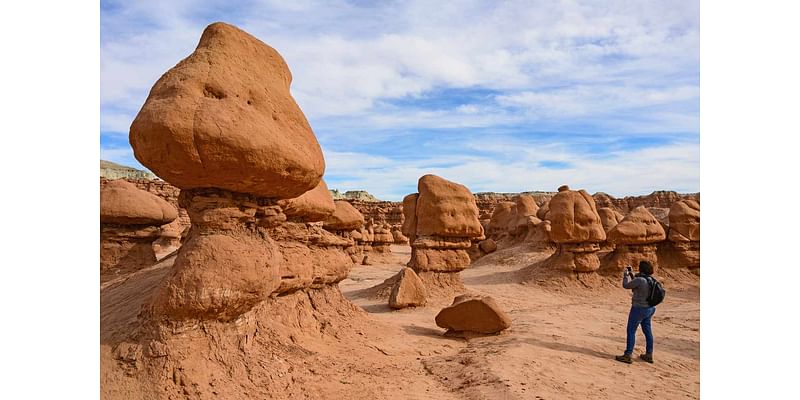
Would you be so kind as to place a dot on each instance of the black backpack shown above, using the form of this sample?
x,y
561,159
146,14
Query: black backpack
x,y
657,292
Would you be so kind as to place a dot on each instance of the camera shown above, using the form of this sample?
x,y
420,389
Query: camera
x,y
629,269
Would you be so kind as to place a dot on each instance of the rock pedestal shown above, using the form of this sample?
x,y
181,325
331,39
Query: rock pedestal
x,y
440,222
575,226
682,248
348,223
634,239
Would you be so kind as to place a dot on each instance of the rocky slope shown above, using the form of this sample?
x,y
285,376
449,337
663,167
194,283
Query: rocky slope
x,y
112,170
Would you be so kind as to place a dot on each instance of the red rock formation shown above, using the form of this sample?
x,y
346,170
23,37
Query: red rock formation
x,y
635,239
408,290
682,249
129,221
170,194
244,132
576,227
222,126
347,223
657,199
470,313
440,222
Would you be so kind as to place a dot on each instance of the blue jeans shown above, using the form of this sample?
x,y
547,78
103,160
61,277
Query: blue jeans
x,y
640,315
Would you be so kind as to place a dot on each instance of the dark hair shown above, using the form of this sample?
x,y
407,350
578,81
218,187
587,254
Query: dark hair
x,y
645,268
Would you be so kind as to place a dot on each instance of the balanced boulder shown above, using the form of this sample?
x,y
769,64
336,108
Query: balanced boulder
x,y
224,118
223,127
441,221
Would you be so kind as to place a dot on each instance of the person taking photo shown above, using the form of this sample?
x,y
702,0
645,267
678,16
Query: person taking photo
x,y
641,312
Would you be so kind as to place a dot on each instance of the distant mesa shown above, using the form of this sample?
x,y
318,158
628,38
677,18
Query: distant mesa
x,y
112,170
360,195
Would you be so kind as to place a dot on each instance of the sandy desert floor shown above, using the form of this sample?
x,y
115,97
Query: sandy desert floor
x,y
561,344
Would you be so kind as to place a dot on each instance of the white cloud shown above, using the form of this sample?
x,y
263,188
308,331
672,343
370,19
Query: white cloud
x,y
617,66
624,172
349,57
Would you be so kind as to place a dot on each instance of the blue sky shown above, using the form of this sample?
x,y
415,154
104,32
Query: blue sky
x,y
499,96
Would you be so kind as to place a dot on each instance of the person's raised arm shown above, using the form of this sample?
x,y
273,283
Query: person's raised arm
x,y
628,283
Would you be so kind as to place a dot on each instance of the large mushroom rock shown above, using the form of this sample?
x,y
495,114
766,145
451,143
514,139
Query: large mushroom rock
x,y
315,205
470,313
446,208
129,224
441,222
348,223
576,228
223,127
682,249
224,118
634,238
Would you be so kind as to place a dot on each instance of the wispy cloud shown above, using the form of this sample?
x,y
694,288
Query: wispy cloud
x,y
395,88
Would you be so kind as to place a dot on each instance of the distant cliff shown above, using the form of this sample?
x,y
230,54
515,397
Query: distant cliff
x,y
360,195
112,170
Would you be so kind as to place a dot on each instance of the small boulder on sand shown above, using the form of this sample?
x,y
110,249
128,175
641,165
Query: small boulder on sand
x,y
408,290
470,313
488,246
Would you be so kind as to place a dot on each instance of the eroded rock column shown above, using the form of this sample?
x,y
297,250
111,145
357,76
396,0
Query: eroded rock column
x,y
634,239
440,222
575,227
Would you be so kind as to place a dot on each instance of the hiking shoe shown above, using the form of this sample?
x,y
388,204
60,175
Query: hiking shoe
x,y
646,357
624,358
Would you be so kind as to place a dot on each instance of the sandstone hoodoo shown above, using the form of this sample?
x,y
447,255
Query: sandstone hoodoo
x,y
469,313
440,222
516,221
609,217
576,227
223,127
129,224
635,239
682,247
382,239
315,205
312,256
408,290
224,118
348,223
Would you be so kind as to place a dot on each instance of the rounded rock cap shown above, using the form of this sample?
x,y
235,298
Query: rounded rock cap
x,y
121,202
224,117
345,218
